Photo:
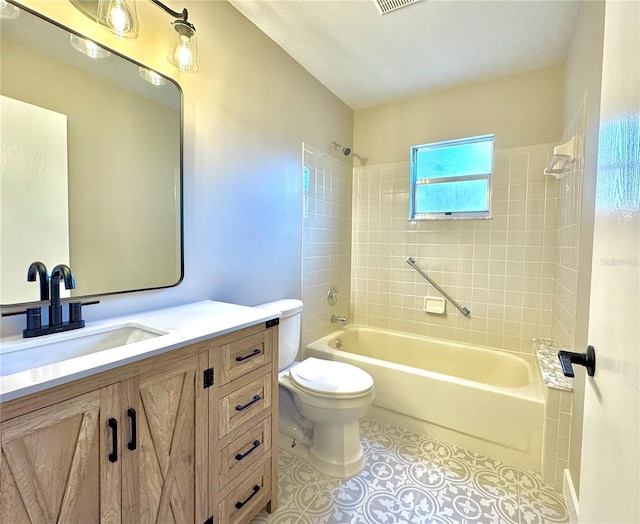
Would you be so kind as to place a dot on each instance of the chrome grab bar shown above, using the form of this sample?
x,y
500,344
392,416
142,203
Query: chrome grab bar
x,y
462,310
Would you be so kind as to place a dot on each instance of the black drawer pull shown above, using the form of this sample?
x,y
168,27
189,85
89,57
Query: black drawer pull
x,y
239,505
133,443
240,456
255,399
113,424
254,353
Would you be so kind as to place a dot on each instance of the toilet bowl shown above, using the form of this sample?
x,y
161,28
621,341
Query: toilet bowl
x,y
329,396
333,396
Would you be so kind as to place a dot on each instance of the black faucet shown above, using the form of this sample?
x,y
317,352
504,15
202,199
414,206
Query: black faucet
x,y
39,269
56,325
34,314
55,309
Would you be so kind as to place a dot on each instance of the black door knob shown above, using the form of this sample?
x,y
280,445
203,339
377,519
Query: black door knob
x,y
588,360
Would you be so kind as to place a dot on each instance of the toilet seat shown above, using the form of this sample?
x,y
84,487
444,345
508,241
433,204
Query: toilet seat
x,y
331,379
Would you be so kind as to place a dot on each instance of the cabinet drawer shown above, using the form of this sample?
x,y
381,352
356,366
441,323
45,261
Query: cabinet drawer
x,y
238,407
244,502
245,451
244,355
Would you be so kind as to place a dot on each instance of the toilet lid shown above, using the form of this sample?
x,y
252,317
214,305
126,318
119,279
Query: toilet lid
x,y
330,378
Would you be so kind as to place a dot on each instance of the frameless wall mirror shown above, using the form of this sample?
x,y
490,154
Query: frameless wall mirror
x,y
91,165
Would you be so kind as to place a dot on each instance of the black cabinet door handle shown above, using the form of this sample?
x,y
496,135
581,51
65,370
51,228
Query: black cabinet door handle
x,y
239,504
240,456
255,399
113,424
133,443
254,353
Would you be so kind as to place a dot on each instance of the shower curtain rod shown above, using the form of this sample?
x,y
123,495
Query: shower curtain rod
x,y
462,310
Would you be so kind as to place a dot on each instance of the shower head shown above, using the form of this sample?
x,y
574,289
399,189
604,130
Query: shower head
x,y
346,151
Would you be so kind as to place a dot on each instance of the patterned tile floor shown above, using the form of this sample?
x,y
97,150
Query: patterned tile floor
x,y
410,478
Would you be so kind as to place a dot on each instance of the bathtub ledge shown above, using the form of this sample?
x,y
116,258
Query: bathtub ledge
x,y
547,353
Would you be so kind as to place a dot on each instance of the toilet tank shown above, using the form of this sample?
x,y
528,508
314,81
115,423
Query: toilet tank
x,y
289,339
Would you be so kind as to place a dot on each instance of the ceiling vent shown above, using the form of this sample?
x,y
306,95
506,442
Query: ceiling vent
x,y
386,6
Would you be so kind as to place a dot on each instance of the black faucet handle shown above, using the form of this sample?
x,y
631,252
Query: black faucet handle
x,y
75,312
34,318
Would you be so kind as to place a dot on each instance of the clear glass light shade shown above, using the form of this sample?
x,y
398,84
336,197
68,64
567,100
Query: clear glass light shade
x,y
151,76
87,47
8,11
183,47
119,16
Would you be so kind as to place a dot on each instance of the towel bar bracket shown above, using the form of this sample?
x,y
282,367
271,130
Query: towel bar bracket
x,y
462,310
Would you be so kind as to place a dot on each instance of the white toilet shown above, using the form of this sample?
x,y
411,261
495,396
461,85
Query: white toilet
x,y
330,396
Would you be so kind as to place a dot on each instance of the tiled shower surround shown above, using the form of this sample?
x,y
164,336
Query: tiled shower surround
x,y
515,272
326,241
502,269
558,412
570,189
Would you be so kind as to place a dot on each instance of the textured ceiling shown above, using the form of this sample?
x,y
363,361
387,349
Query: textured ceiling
x,y
367,59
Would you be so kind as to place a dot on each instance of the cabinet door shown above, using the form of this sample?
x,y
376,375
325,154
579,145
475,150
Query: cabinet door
x,y
54,465
172,417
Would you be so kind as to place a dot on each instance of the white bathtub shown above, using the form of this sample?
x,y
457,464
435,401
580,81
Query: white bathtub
x,y
485,400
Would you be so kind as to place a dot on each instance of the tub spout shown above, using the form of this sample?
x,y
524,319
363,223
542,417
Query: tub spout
x,y
337,318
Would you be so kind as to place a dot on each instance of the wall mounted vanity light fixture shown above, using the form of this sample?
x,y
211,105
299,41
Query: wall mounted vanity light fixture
x,y
183,46
121,18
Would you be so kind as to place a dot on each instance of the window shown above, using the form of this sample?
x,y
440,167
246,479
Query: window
x,y
452,179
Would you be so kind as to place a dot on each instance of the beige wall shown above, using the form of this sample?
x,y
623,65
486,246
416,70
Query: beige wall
x,y
521,110
582,84
247,112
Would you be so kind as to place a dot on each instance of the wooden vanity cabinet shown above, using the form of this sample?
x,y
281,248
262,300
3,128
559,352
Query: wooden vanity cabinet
x,y
53,467
243,427
146,442
131,451
164,475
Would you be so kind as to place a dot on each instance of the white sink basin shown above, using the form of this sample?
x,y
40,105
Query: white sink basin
x,y
51,349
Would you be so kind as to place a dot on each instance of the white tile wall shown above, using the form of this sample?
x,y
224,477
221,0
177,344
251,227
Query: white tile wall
x,y
568,236
502,269
557,435
326,241
557,412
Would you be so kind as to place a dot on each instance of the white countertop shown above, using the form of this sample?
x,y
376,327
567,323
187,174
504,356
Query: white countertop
x,y
184,325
